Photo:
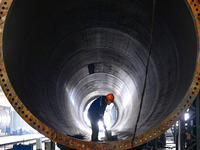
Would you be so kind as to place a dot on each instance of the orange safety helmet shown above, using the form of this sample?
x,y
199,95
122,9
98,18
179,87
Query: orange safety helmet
x,y
110,98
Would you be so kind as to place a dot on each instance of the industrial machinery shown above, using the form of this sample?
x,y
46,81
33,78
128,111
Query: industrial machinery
x,y
58,56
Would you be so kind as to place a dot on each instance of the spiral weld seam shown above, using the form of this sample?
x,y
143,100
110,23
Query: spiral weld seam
x,y
84,145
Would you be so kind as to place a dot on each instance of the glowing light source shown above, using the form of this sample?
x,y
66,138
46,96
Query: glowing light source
x,y
110,116
187,116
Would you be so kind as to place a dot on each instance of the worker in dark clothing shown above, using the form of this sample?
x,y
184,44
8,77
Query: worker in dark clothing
x,y
96,112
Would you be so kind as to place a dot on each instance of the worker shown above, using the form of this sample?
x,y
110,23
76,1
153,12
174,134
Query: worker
x,y
96,113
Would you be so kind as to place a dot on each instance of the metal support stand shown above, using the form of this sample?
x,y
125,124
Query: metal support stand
x,y
155,144
175,132
38,144
181,134
50,145
197,122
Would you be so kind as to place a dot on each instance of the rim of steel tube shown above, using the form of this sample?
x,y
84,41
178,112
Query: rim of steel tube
x,y
80,144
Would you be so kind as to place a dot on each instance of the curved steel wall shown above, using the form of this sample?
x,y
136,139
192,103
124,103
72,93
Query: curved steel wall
x,y
47,48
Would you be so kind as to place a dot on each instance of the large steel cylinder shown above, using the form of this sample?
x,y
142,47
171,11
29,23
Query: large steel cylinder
x,y
57,56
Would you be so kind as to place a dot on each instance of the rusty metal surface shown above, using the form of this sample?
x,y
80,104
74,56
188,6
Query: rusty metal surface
x,y
80,144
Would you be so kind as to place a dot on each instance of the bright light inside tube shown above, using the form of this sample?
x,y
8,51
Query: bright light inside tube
x,y
187,116
110,117
107,121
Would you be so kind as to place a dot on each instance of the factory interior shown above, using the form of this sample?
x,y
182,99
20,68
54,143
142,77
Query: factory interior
x,y
133,64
